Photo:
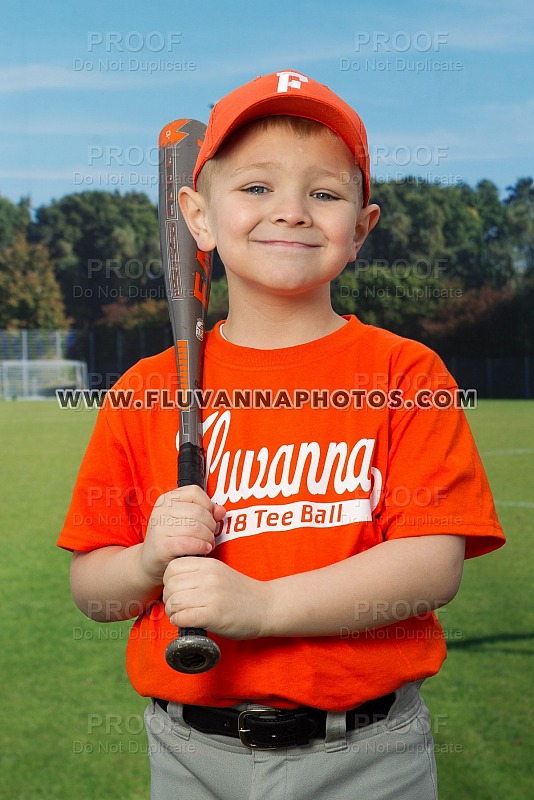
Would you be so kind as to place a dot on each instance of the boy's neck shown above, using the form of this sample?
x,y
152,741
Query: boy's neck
x,y
283,322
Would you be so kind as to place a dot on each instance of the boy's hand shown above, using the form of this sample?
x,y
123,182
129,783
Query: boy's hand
x,y
206,593
182,523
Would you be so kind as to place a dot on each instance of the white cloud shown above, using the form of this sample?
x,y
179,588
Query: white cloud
x,y
71,127
497,35
81,178
141,72
45,76
31,77
37,174
484,132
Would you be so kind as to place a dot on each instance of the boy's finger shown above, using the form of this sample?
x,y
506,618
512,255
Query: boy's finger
x,y
180,546
219,512
189,494
186,516
192,567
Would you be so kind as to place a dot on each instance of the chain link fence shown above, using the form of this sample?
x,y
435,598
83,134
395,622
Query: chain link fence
x,y
30,345
110,352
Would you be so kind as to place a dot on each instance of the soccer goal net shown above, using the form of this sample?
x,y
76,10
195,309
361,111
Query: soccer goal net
x,y
35,379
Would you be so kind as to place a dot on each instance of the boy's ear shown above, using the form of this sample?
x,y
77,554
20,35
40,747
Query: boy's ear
x,y
193,207
367,219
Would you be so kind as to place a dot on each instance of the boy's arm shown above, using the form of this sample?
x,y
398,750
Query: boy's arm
x,y
116,583
394,580
110,584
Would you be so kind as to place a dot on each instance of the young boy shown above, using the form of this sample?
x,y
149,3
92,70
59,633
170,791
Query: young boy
x,y
343,492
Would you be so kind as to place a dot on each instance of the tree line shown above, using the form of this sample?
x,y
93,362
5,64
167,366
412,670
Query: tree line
x,y
452,266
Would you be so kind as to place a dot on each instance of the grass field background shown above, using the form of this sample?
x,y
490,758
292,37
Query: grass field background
x,y
71,725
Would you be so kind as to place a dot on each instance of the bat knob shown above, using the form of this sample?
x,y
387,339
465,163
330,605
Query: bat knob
x,y
192,654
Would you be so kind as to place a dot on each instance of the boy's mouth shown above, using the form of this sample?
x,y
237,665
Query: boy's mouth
x,y
284,243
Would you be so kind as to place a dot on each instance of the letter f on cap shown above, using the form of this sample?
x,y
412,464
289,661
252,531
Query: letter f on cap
x,y
284,83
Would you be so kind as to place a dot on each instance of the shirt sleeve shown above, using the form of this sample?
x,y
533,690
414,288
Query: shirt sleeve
x,y
435,483
103,509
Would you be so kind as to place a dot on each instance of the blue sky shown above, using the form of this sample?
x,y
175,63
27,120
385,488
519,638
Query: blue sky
x,y
445,88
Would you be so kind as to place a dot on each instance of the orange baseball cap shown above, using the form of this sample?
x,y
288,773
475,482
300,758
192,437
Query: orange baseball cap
x,y
286,93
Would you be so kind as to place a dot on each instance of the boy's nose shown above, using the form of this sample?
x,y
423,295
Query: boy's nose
x,y
291,210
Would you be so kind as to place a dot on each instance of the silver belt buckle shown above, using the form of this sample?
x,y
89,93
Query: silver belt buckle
x,y
243,730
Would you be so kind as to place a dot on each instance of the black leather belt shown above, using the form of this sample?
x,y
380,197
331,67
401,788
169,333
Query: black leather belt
x,y
267,728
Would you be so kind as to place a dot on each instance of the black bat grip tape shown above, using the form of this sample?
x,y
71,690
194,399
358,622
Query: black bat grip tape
x,y
192,651
191,465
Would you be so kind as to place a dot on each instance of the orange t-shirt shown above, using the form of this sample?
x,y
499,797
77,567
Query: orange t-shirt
x,y
311,471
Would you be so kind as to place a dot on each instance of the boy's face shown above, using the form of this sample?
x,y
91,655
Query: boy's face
x,y
284,211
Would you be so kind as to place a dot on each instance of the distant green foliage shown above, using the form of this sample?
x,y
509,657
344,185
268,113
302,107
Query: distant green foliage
x,y
30,296
452,266
14,220
105,247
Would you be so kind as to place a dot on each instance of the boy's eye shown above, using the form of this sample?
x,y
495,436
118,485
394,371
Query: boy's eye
x,y
256,189
324,196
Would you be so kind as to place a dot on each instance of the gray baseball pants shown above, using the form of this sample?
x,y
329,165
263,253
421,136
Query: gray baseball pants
x,y
390,760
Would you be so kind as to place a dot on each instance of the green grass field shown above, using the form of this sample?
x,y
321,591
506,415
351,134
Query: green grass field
x,y
71,724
